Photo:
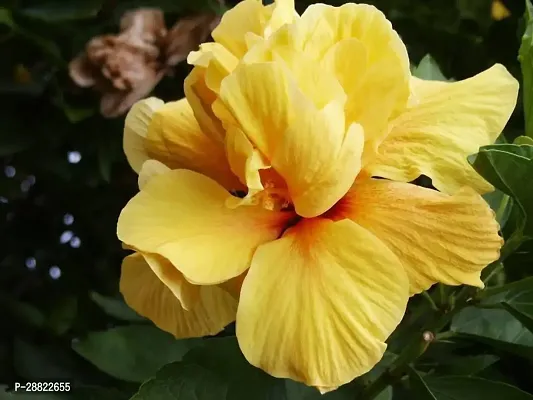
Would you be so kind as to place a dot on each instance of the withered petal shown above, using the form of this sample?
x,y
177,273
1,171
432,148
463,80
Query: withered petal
x,y
115,103
82,72
187,34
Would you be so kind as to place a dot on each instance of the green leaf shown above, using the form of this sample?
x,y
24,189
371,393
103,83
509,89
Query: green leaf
x,y
419,387
132,353
520,285
223,357
218,370
386,394
63,315
26,313
525,55
61,11
506,166
428,69
116,308
525,319
468,388
494,327
466,365
516,298
185,382
45,361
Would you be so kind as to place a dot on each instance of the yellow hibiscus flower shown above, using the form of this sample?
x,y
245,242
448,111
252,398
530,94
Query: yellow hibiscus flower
x,y
301,114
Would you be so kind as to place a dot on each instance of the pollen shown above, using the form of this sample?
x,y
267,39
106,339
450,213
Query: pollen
x,y
273,198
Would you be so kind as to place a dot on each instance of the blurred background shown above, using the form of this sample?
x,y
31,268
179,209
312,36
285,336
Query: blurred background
x,y
64,177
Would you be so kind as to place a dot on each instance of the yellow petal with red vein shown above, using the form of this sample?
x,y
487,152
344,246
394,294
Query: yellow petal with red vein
x,y
437,237
150,297
297,123
445,123
181,215
318,304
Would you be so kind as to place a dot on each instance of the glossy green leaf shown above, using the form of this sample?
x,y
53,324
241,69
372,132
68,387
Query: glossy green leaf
x,y
468,388
506,166
223,357
466,365
516,298
525,318
418,387
526,62
116,308
428,69
216,370
183,381
513,287
494,327
462,388
132,353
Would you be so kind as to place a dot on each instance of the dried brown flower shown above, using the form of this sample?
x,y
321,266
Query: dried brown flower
x,y
126,67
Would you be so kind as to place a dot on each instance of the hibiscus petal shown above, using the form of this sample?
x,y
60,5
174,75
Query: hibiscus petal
x,y
437,237
359,45
136,129
217,61
304,138
318,304
201,99
444,123
181,215
150,297
171,135
247,16
150,169
251,18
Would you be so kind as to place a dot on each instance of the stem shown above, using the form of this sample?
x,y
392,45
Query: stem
x,y
444,335
430,301
442,294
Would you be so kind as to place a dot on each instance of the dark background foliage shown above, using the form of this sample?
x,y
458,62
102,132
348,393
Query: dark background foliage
x,y
64,180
